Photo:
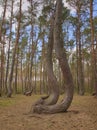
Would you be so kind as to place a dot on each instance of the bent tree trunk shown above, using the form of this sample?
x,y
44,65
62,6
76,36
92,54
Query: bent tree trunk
x,y
52,81
61,55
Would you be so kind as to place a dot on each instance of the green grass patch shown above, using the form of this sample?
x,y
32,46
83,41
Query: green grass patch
x,y
6,102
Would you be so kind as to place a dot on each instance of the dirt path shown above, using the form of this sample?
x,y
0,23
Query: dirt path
x,y
82,115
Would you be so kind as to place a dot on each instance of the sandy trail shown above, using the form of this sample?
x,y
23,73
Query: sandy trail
x,y
82,115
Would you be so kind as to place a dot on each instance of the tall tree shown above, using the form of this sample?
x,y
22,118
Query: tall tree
x,y
9,44
80,8
52,81
2,41
61,56
93,52
80,66
33,44
14,52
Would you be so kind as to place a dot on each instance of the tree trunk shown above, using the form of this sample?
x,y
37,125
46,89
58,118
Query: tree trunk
x,y
80,67
61,56
33,48
16,71
8,56
43,63
2,48
40,76
14,54
93,54
25,77
35,76
52,81
22,77
77,83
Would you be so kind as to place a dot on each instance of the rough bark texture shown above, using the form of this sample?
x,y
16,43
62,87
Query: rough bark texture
x,y
61,55
52,81
28,93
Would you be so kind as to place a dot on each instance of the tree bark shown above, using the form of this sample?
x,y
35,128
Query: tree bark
x,y
33,48
61,56
16,71
52,81
93,52
8,56
14,54
2,48
80,67
22,77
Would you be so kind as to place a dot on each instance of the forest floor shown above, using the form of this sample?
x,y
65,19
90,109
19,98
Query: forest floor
x,y
82,115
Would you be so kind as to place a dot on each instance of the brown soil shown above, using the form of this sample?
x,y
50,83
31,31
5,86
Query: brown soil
x,y
82,115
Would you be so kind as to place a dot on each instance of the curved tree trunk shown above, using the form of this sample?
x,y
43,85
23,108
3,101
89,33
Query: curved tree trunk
x,y
61,55
52,81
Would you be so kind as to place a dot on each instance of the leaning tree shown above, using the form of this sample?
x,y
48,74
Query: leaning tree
x,y
52,80
41,107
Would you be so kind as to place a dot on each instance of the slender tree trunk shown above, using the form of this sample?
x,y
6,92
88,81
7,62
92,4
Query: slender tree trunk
x,y
2,67
25,78
77,83
40,76
43,62
8,56
22,76
14,54
2,48
93,54
35,75
88,76
33,49
16,71
3,20
80,67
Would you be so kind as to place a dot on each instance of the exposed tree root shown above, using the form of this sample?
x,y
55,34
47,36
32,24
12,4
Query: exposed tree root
x,y
47,100
41,100
52,109
29,93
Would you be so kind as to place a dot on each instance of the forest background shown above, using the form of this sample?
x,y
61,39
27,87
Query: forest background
x,y
24,30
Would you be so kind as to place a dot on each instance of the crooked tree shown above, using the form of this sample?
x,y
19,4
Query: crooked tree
x,y
63,62
52,81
